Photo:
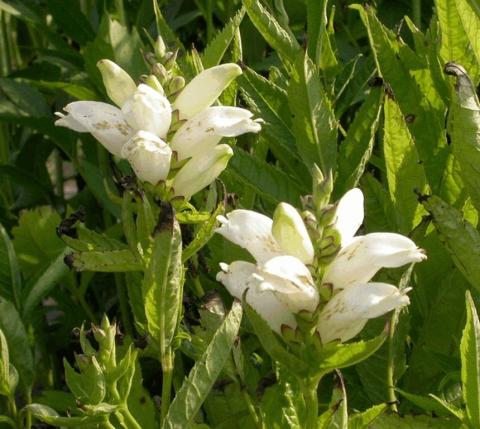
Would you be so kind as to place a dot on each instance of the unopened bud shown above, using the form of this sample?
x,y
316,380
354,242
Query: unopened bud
x,y
153,82
176,84
289,334
160,72
327,215
322,187
169,59
159,47
118,83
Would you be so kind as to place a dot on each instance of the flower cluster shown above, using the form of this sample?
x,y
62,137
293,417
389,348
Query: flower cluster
x,y
280,284
172,138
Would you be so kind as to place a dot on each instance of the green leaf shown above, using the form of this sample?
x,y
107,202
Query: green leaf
x,y
264,178
89,386
278,37
215,50
20,353
390,421
356,149
107,262
337,356
71,20
404,172
48,415
27,100
4,366
272,345
454,43
365,418
44,284
426,403
314,124
460,238
194,390
470,355
464,130
470,19
163,281
10,280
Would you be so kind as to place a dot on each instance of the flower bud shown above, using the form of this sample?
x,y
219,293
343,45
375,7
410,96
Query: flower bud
x,y
149,157
118,83
148,110
205,88
153,82
201,170
160,72
322,187
176,84
159,47
169,60
290,232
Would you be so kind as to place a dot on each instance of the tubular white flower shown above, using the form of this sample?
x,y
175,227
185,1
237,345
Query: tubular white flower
x,y
290,232
104,121
239,276
291,282
118,83
252,231
149,156
148,110
205,130
201,170
359,261
346,313
204,89
349,215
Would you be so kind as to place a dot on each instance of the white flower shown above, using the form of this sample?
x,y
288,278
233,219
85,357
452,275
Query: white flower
x,y
361,257
347,312
148,110
280,284
202,132
201,170
204,89
149,156
118,83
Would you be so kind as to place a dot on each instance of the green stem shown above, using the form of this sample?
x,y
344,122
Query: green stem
x,y
311,404
167,370
129,419
123,301
106,424
28,414
120,11
251,408
392,398
210,28
417,13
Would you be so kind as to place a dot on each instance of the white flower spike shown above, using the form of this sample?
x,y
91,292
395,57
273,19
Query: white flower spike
x,y
204,89
346,313
118,83
149,157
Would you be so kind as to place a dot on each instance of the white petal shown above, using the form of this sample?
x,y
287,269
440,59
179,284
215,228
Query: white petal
x,y
118,83
204,89
349,215
204,130
238,276
149,156
104,121
201,170
290,232
291,282
365,255
148,110
252,231
347,312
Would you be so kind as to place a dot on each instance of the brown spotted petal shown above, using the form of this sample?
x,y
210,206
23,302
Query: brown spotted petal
x,y
104,121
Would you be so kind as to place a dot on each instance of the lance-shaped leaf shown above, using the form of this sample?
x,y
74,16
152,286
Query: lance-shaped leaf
x,y
464,130
470,355
461,239
48,415
162,285
314,124
105,262
10,281
470,18
271,344
196,387
337,356
364,419
337,414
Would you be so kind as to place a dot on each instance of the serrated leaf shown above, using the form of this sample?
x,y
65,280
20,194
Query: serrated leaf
x,y
461,239
264,178
390,421
195,388
277,36
48,415
464,130
314,124
272,345
365,418
163,281
426,403
470,355
470,20
107,262
404,172
20,353
215,50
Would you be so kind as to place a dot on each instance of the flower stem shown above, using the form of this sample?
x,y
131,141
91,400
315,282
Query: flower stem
x,y
167,369
311,404
251,408
392,398
130,421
